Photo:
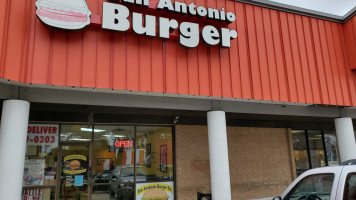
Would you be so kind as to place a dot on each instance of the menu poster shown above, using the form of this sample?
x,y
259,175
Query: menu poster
x,y
32,194
159,190
69,181
34,172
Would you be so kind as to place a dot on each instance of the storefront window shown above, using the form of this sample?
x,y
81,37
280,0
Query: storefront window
x,y
300,151
101,162
76,133
74,172
317,155
314,146
126,156
154,155
331,148
40,175
113,162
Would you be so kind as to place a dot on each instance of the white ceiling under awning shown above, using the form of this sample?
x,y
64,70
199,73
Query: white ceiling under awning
x,y
340,9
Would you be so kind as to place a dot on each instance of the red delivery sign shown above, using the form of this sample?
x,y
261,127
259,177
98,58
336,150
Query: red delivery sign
x,y
42,134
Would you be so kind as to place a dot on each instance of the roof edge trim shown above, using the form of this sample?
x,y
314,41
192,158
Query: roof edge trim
x,y
349,15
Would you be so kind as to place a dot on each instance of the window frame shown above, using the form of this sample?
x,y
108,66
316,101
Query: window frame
x,y
308,146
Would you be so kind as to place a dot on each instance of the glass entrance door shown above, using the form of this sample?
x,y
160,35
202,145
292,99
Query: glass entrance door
x,y
74,172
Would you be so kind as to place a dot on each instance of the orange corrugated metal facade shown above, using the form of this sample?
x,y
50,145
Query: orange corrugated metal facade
x,y
277,56
350,37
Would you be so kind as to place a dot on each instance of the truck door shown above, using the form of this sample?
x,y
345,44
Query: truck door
x,y
347,184
319,184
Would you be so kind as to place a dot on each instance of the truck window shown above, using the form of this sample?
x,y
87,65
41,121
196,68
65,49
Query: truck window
x,y
314,187
350,187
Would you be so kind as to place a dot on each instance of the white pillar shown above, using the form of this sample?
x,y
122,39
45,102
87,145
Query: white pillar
x,y
345,138
219,158
13,135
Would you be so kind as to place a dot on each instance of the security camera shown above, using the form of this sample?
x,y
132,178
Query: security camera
x,y
175,120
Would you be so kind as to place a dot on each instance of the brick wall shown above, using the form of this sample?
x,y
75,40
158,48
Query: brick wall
x,y
260,161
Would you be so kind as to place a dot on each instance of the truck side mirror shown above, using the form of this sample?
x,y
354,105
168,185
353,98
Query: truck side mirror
x,y
277,198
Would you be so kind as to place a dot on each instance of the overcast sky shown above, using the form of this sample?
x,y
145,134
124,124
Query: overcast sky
x,y
335,7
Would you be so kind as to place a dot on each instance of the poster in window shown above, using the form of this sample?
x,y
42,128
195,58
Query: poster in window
x,y
163,157
159,190
42,134
78,180
148,156
331,149
75,164
34,172
102,161
31,151
32,194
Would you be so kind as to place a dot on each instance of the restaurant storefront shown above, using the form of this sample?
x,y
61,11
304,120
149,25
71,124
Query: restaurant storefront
x,y
100,162
107,160
160,99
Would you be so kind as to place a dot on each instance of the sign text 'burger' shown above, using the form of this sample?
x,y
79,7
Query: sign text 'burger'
x,y
117,17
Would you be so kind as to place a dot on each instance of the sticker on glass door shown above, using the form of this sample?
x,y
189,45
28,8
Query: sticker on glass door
x,y
158,190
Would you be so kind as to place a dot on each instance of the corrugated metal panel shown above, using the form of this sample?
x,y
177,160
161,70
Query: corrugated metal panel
x,y
277,56
350,37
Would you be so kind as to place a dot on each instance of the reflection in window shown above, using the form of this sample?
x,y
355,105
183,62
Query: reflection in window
x,y
316,149
79,133
300,151
350,187
320,149
38,157
154,155
331,148
113,162
317,186
74,164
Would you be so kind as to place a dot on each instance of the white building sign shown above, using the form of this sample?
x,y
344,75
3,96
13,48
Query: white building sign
x,y
117,17
74,14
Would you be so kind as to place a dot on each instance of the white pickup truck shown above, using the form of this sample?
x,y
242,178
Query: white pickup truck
x,y
326,183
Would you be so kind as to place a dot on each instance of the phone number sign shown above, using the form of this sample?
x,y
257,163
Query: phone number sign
x,y
42,134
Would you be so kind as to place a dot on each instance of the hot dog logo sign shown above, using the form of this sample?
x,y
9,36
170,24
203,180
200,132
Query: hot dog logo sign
x,y
65,14
75,14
